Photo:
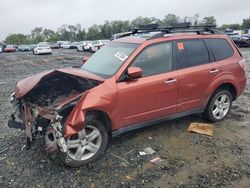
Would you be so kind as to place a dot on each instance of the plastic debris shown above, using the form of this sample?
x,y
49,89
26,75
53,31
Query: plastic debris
x,y
201,128
120,158
156,160
128,177
4,150
149,151
142,153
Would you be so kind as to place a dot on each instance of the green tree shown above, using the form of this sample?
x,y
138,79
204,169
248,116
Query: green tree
x,y
170,20
231,26
94,32
246,23
209,20
144,21
37,35
17,39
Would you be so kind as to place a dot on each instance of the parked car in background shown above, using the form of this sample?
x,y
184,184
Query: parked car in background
x,y
66,44
23,48
1,50
73,45
2,46
60,43
96,45
80,46
55,46
241,41
32,46
42,48
88,46
10,48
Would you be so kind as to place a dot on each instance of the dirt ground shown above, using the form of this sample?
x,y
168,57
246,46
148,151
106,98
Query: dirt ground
x,y
190,160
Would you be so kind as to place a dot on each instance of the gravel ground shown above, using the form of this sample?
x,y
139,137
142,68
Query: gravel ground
x,y
190,160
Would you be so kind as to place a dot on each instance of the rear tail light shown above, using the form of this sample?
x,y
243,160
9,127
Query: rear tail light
x,y
242,64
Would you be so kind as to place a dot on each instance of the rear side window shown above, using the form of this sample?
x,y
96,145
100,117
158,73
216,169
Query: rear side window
x,y
220,48
154,59
191,53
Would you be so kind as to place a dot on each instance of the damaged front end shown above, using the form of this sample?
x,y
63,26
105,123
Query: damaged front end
x,y
43,103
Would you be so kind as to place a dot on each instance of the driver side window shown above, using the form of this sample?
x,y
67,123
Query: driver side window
x,y
154,59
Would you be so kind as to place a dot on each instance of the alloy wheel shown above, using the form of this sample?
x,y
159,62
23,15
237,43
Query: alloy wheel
x,y
221,106
84,144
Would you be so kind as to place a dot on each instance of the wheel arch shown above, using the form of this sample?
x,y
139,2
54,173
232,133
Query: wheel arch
x,y
102,117
228,86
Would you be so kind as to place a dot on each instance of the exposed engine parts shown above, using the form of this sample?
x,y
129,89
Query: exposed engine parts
x,y
44,108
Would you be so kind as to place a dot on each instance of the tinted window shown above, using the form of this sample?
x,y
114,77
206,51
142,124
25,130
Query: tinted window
x,y
155,59
220,48
191,53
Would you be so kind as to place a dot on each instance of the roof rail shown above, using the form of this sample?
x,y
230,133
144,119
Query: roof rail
x,y
184,27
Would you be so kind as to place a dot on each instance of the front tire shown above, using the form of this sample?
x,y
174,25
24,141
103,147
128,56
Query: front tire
x,y
219,106
86,146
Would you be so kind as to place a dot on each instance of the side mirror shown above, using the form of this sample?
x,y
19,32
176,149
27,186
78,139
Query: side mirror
x,y
134,72
84,59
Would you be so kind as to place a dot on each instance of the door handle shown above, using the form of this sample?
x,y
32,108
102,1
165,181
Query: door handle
x,y
170,81
213,71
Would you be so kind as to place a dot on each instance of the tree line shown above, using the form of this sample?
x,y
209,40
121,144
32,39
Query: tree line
x,y
104,31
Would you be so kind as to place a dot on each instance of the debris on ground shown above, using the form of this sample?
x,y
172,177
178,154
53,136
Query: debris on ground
x,y
2,151
22,148
156,160
92,185
149,151
120,158
1,159
130,151
142,153
128,177
201,128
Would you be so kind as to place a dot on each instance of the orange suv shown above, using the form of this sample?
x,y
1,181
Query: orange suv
x,y
146,76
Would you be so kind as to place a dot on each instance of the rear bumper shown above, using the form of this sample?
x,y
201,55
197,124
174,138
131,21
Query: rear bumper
x,y
47,51
242,86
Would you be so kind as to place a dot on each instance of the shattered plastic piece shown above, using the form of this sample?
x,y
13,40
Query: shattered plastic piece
x,y
201,128
128,177
156,160
23,147
149,151
142,153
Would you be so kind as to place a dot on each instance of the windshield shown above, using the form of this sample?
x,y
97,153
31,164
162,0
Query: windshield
x,y
106,61
43,45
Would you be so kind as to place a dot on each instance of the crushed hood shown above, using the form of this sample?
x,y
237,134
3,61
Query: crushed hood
x,y
27,84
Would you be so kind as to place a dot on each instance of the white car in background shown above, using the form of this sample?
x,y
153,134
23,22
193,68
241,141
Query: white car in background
x,y
42,48
80,46
66,44
96,45
1,50
88,46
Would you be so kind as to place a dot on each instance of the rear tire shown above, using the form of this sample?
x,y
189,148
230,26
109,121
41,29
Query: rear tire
x,y
85,148
218,106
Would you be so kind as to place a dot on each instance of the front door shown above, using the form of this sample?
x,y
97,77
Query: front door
x,y
154,95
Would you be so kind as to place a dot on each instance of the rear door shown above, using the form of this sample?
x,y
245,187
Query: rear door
x,y
195,73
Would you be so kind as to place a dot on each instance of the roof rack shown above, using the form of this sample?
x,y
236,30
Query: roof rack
x,y
184,27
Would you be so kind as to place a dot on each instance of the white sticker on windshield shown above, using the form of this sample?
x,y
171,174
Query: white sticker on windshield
x,y
121,56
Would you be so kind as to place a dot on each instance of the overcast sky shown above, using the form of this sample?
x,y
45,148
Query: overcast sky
x,y
20,16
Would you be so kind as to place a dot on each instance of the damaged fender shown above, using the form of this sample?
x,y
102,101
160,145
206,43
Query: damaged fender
x,y
91,100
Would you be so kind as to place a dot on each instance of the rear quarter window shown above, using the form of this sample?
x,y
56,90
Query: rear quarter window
x,y
220,48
